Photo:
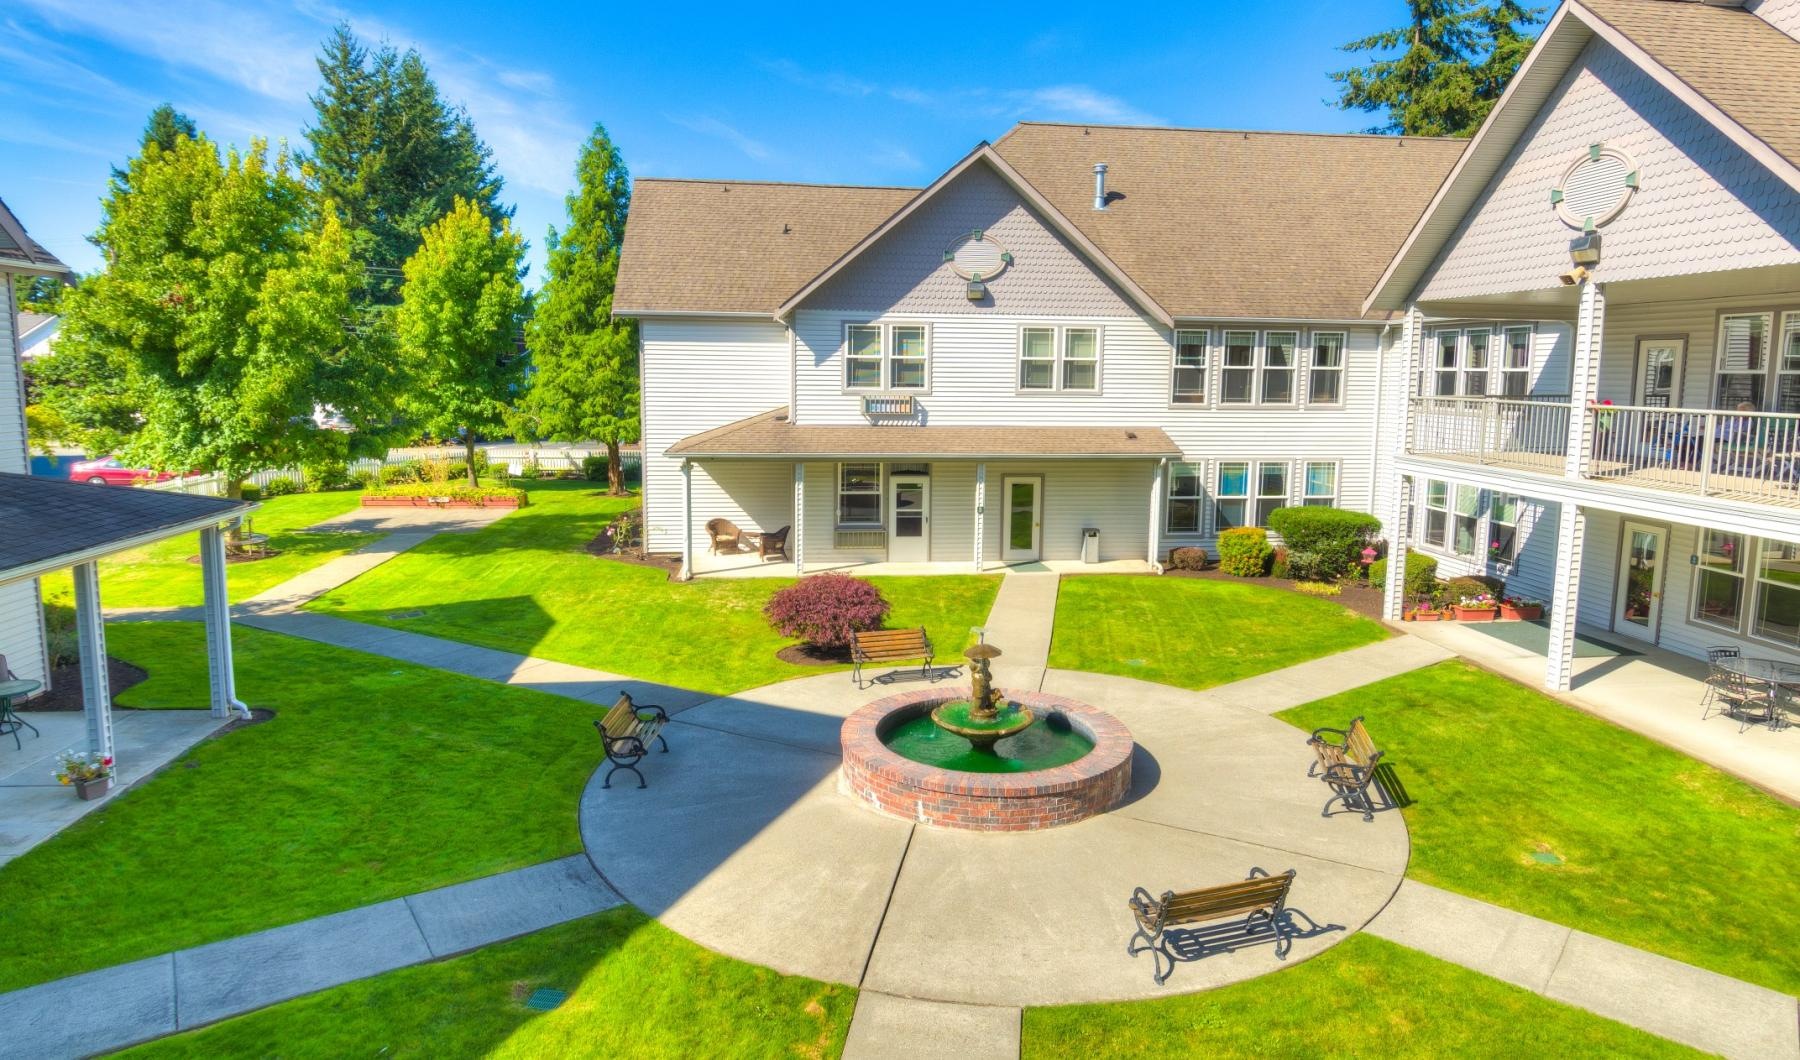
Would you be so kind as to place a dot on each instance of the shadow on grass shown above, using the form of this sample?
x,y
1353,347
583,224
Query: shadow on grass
x,y
1185,945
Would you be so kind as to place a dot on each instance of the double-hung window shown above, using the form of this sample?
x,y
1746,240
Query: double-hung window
x,y
1778,593
1189,384
1081,359
1503,528
1237,384
1787,367
1447,361
1437,514
1321,486
1515,369
1719,580
1232,498
859,495
1059,359
1185,489
1271,489
1325,381
1475,361
1467,516
886,356
1278,367
1743,362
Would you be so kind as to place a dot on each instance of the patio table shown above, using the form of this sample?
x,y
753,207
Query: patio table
x,y
1778,675
9,721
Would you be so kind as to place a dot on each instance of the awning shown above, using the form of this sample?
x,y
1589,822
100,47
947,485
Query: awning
x,y
48,523
772,435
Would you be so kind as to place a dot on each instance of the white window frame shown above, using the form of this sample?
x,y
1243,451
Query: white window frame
x,y
1440,368
1309,499
1198,469
1474,518
1221,498
851,357
1759,585
1314,371
1204,341
891,346
1789,345
1747,581
1719,372
1441,543
1496,505
1510,371
880,485
1281,499
1064,358
887,358
1471,372
1264,369
1226,367
1059,359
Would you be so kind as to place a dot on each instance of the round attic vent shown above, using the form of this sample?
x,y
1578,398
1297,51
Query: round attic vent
x,y
976,256
1595,187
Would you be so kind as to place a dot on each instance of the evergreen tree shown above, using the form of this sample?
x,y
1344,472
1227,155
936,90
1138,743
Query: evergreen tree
x,y
1442,72
165,126
458,325
584,382
392,154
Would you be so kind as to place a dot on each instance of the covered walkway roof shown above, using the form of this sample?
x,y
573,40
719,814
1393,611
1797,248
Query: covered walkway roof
x,y
773,434
54,523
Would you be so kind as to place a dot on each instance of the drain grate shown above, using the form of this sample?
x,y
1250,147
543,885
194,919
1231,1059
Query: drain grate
x,y
543,999
1545,857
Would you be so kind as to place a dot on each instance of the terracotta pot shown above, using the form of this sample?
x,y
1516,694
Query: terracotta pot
x,y
1527,613
1475,614
93,789
1427,616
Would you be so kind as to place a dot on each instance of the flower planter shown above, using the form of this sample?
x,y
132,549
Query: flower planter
x,y
438,502
1523,613
93,789
1476,614
1427,616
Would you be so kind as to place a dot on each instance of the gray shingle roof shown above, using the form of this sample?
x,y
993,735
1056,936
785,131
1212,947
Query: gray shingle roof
x,y
45,519
19,251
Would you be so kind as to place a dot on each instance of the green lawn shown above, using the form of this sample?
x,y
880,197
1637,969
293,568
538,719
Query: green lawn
x,y
375,779
635,989
525,584
1195,632
1524,802
160,575
1363,998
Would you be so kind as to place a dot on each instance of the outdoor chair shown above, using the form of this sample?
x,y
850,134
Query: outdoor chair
x,y
773,545
1257,895
726,537
627,732
1716,674
1749,701
1347,765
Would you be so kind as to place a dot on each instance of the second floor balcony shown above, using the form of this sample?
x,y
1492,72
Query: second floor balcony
x,y
1739,456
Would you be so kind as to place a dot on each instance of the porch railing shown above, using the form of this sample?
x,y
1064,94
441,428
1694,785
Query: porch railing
x,y
1747,456
1530,432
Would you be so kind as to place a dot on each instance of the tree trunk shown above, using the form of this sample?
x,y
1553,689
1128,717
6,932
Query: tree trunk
x,y
234,534
615,471
469,457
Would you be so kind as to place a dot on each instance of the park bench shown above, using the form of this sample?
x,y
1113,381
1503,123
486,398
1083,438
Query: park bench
x,y
1347,765
890,645
627,732
1258,895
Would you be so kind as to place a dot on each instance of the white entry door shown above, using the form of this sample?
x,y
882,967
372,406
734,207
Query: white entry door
x,y
1023,530
1639,605
909,519
1659,367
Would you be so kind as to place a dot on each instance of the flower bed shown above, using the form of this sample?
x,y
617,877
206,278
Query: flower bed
x,y
443,495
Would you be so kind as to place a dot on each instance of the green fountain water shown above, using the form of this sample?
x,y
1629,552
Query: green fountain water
x,y
985,734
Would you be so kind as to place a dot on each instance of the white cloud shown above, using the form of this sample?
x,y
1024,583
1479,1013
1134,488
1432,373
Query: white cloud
x,y
1080,103
709,126
893,156
1072,102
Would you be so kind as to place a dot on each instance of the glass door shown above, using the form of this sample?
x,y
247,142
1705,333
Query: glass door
x,y
1639,606
1024,519
1659,372
909,528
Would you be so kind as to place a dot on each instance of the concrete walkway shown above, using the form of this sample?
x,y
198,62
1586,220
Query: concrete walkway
x,y
333,573
115,1007
1678,1001
1020,624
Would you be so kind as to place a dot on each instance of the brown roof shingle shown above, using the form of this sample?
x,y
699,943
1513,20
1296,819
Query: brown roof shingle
x,y
772,434
1741,64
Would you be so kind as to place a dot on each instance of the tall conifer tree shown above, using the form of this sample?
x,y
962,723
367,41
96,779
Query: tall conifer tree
x,y
1442,72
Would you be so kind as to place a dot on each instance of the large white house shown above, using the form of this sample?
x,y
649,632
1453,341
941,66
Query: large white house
x,y
1129,339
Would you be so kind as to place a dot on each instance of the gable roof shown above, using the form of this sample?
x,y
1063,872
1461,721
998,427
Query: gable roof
x,y
21,253
1735,70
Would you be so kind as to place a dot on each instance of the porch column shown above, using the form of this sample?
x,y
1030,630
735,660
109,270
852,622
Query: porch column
x,y
1393,599
1584,377
218,625
799,520
687,521
1158,488
980,515
1571,530
90,634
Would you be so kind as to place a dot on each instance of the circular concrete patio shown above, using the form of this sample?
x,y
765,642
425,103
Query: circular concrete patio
x,y
743,843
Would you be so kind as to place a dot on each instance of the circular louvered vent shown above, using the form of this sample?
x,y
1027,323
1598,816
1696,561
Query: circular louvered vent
x,y
976,256
1595,187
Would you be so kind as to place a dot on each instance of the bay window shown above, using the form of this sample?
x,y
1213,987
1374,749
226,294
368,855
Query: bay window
x,y
1184,498
1719,580
1189,384
1325,380
1238,378
1231,498
859,495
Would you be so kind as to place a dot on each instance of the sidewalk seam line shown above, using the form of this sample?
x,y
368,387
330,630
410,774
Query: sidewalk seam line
x,y
893,885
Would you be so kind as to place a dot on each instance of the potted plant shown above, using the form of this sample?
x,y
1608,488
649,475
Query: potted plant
x,y
1481,607
1519,609
91,775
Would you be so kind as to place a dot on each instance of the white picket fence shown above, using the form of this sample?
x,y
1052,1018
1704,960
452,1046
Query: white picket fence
x,y
512,457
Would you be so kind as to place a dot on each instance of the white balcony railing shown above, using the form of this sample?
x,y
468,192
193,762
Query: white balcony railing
x,y
1530,433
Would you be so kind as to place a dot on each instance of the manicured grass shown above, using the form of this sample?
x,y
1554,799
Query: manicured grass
x,y
1366,997
525,584
375,779
1643,845
635,989
160,575
1195,632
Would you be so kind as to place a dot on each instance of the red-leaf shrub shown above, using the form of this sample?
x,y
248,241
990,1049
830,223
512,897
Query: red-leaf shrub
x,y
825,609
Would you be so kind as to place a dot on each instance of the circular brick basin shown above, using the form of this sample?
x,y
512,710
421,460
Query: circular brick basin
x,y
984,802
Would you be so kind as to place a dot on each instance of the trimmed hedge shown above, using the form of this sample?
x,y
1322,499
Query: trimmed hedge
x,y
1421,574
1244,551
1332,539
456,491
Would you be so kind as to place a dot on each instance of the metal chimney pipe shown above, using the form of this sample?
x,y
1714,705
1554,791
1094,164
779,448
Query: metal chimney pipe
x,y
1100,186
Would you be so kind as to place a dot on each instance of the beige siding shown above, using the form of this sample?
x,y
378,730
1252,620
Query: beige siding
x,y
1704,204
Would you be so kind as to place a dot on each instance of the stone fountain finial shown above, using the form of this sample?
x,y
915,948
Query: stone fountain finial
x,y
980,720
982,697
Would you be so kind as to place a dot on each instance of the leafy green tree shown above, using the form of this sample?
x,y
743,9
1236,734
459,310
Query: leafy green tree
x,y
219,323
38,294
1442,72
165,126
458,323
392,154
584,382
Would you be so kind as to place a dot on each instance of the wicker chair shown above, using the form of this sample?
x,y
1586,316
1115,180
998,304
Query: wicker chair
x,y
726,537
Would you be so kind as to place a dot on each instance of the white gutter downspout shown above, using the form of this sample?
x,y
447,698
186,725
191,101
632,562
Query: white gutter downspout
x,y
687,522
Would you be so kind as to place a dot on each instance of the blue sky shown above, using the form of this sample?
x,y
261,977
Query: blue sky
x,y
863,93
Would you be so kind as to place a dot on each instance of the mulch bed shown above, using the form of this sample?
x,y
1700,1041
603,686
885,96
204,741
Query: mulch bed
x,y
629,550
65,685
232,559
1362,599
810,655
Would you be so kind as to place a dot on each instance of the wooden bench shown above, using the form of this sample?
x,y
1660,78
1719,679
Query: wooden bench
x,y
889,645
1347,765
1258,895
627,732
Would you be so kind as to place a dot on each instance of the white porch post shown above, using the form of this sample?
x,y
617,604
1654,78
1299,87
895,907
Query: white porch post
x,y
1584,377
687,521
1158,480
90,633
1393,599
1571,530
799,520
980,515
218,625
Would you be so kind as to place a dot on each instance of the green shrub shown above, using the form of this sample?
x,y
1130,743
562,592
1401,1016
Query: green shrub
x,y
1472,585
1334,536
250,493
1188,557
1309,567
1421,574
593,468
1244,551
366,478
280,486
456,491
60,639
332,475
407,471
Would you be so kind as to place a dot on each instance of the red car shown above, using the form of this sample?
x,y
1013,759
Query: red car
x,y
107,471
